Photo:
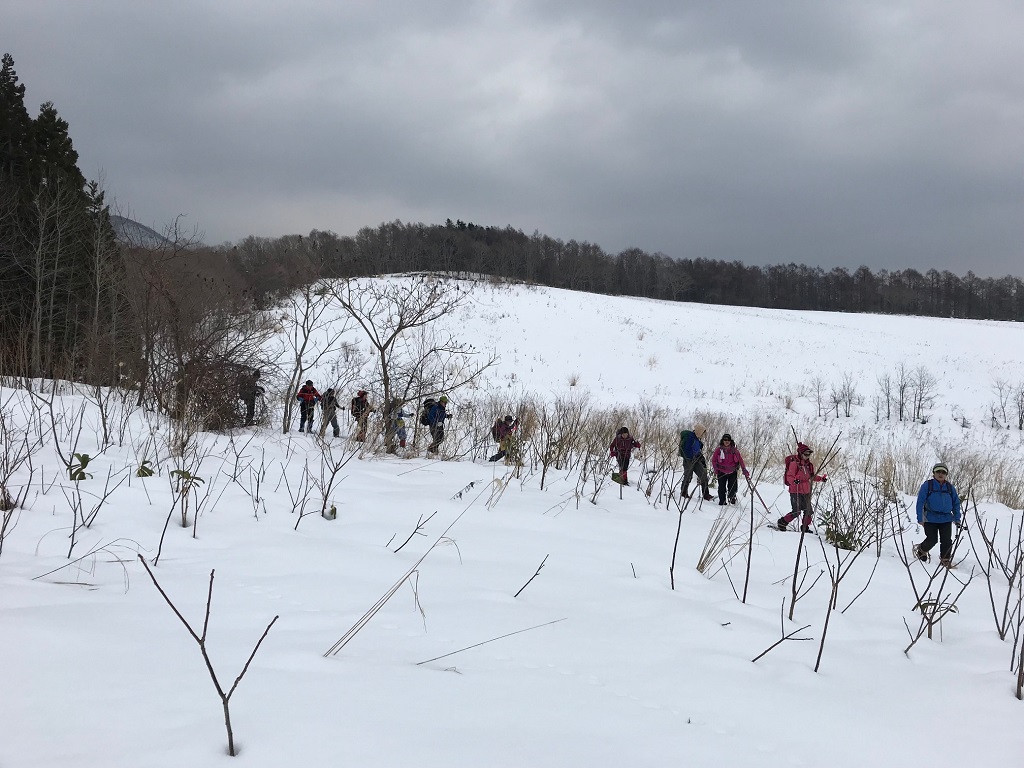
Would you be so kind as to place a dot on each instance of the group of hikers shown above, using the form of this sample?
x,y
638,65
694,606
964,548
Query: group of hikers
x,y
726,461
433,416
938,503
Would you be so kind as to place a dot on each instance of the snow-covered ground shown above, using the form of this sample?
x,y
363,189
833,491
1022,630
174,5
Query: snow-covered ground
x,y
98,671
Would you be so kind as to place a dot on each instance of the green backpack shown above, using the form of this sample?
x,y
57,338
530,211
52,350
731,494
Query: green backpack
x,y
682,440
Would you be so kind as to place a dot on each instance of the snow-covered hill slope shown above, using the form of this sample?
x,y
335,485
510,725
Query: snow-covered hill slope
x,y
617,668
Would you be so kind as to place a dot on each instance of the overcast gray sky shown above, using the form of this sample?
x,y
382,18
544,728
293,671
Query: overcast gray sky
x,y
830,132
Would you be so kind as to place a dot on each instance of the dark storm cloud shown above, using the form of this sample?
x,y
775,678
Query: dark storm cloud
x,y
832,133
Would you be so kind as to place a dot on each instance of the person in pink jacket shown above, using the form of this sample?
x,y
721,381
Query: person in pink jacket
x,y
727,461
799,475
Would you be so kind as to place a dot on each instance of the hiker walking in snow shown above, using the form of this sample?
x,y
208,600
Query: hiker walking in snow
x,y
692,450
727,461
248,390
394,424
503,434
799,475
435,417
360,410
938,508
622,449
329,404
308,398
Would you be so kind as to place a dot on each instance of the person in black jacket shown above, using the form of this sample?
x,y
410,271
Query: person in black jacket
x,y
360,409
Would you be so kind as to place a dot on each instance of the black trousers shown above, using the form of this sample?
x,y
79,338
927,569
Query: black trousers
x,y
938,532
436,437
727,480
306,415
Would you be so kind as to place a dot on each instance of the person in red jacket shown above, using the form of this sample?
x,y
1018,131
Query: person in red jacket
x,y
308,398
727,461
799,475
622,448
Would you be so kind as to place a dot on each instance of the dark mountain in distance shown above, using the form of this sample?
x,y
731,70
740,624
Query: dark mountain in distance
x,y
130,232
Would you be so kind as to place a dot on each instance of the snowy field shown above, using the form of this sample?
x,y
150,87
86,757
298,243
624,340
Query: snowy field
x,y
617,668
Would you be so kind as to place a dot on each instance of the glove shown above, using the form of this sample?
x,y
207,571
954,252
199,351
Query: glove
x,y
824,478
746,474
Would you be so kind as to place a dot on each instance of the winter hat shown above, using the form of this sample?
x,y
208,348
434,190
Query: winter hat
x,y
361,392
443,399
509,419
940,467
309,382
623,431
802,448
725,437
700,430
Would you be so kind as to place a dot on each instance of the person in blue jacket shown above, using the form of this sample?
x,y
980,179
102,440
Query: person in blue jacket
x,y
435,420
938,508
692,450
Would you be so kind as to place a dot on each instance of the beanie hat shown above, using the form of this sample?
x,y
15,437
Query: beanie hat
x,y
940,467
509,419
802,448
725,437
443,399
700,430
309,382
622,431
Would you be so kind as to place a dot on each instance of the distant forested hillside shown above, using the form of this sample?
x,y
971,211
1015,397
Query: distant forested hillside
x,y
509,253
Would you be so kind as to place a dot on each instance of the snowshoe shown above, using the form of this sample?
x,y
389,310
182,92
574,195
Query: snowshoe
x,y
920,554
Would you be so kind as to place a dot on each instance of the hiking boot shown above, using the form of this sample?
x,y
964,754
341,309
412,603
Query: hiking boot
x,y
721,502
732,499
920,554
805,529
946,562
781,523
685,493
708,497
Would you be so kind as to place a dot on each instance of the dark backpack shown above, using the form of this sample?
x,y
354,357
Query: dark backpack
x,y
683,436
496,431
358,407
425,411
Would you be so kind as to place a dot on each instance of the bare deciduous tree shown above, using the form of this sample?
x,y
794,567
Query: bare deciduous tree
x,y
225,696
388,312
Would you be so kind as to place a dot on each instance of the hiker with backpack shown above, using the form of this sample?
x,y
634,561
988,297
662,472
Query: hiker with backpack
x,y
798,478
692,450
727,461
503,434
329,404
938,509
433,416
394,424
308,398
622,449
360,409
